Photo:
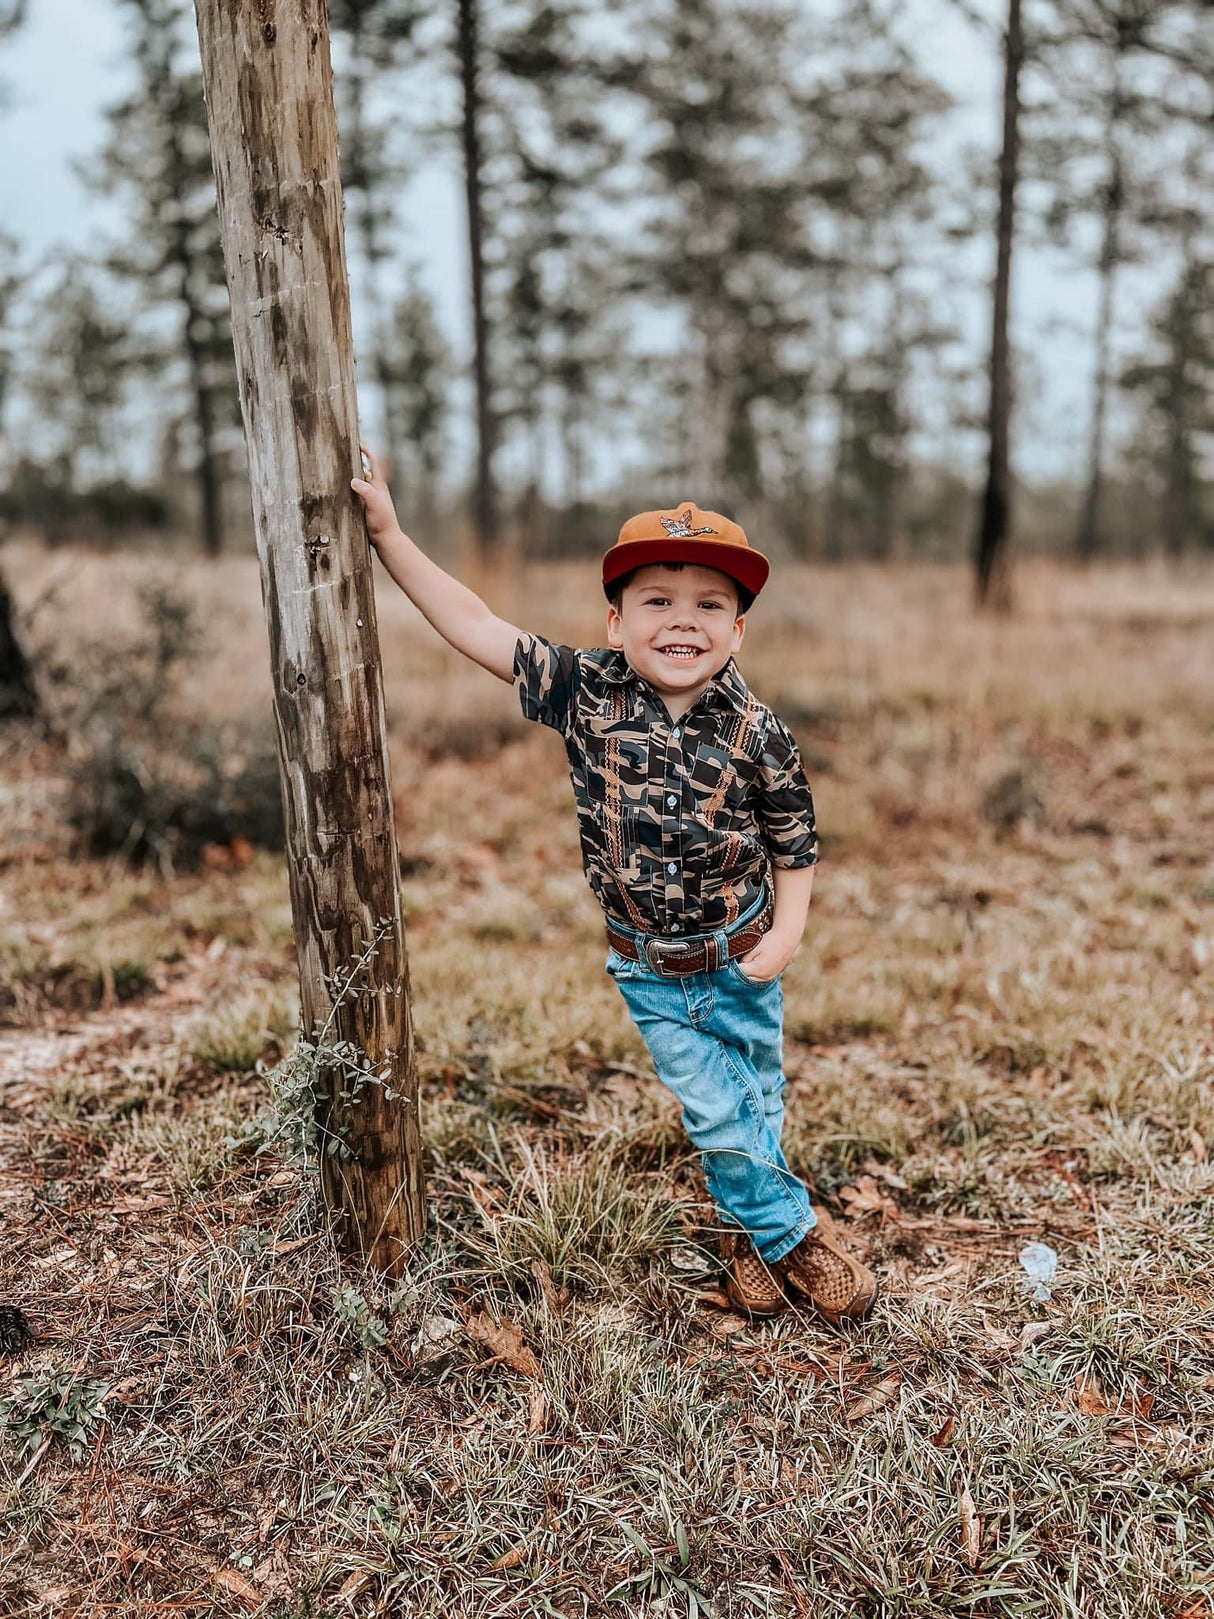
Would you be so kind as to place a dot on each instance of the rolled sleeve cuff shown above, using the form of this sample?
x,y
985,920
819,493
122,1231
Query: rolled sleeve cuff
x,y
795,860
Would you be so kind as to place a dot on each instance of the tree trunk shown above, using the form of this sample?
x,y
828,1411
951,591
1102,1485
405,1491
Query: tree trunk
x,y
990,551
1178,494
486,425
571,428
890,532
1087,536
834,541
274,142
362,167
710,397
207,471
1178,456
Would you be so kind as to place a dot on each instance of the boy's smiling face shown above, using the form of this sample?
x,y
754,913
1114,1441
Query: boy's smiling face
x,y
677,627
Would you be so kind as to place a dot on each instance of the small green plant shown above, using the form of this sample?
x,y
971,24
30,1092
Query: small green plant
x,y
355,1313
55,1405
301,1127
659,1579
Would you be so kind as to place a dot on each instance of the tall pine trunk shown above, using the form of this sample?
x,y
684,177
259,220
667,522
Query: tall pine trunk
x,y
1179,481
207,470
1087,536
362,166
990,551
467,48
834,538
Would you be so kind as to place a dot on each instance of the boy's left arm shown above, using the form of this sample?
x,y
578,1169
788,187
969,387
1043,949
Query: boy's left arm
x,y
785,810
782,940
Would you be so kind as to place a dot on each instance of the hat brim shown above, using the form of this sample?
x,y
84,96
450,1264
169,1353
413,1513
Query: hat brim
x,y
748,567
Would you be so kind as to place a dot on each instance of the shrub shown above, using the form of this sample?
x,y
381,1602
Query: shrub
x,y
44,495
149,778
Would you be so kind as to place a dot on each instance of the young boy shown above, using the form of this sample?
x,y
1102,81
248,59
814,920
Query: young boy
x,y
697,831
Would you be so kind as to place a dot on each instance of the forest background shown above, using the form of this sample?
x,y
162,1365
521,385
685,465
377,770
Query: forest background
x,y
600,262
908,289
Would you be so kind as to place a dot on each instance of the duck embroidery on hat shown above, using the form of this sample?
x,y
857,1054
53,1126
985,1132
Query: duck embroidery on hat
x,y
679,528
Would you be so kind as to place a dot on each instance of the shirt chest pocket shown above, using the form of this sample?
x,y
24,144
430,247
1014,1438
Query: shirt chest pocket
x,y
615,787
720,779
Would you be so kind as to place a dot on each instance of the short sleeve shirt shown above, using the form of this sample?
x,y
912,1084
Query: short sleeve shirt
x,y
680,822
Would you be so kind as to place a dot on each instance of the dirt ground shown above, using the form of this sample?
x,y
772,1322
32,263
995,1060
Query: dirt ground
x,y
999,1032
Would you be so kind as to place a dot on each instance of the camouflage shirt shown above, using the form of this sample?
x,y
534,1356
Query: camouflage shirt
x,y
679,823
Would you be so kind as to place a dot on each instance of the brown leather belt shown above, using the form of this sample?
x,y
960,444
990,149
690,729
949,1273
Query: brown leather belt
x,y
674,958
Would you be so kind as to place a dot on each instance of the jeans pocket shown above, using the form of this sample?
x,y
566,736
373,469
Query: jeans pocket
x,y
753,983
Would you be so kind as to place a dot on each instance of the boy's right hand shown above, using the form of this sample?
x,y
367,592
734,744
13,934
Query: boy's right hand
x,y
457,613
377,501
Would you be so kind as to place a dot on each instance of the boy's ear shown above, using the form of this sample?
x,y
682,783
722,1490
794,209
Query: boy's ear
x,y
615,627
739,630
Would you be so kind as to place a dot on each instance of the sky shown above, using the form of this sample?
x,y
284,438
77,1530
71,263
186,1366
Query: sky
x,y
67,64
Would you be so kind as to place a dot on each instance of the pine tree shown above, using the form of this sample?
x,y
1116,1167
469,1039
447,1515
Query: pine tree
x,y
469,60
1124,73
416,370
1176,383
12,281
378,39
721,240
77,376
994,528
555,285
533,153
781,180
876,208
157,156
17,695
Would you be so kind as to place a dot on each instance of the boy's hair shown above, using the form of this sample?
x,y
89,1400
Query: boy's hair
x,y
745,597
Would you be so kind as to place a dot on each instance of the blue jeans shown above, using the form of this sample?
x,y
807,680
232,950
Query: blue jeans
x,y
717,1042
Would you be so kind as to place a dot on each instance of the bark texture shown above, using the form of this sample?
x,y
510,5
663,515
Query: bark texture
x,y
269,96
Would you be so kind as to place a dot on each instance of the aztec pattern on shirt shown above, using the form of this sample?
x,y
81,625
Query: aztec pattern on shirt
x,y
679,823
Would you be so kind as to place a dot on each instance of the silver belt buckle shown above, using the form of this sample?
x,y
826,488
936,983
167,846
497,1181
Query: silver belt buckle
x,y
654,949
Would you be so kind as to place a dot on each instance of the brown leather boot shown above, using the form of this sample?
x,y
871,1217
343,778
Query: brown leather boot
x,y
838,1286
750,1282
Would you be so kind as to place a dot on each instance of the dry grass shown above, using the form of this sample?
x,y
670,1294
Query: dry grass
x,y
999,1029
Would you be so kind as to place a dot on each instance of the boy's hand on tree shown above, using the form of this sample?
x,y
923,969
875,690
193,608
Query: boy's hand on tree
x,y
457,613
377,501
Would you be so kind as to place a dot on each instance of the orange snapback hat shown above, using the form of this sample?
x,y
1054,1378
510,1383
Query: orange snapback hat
x,y
686,533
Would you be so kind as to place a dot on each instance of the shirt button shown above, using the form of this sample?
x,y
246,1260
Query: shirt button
x,y
672,868
677,733
674,927
671,800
